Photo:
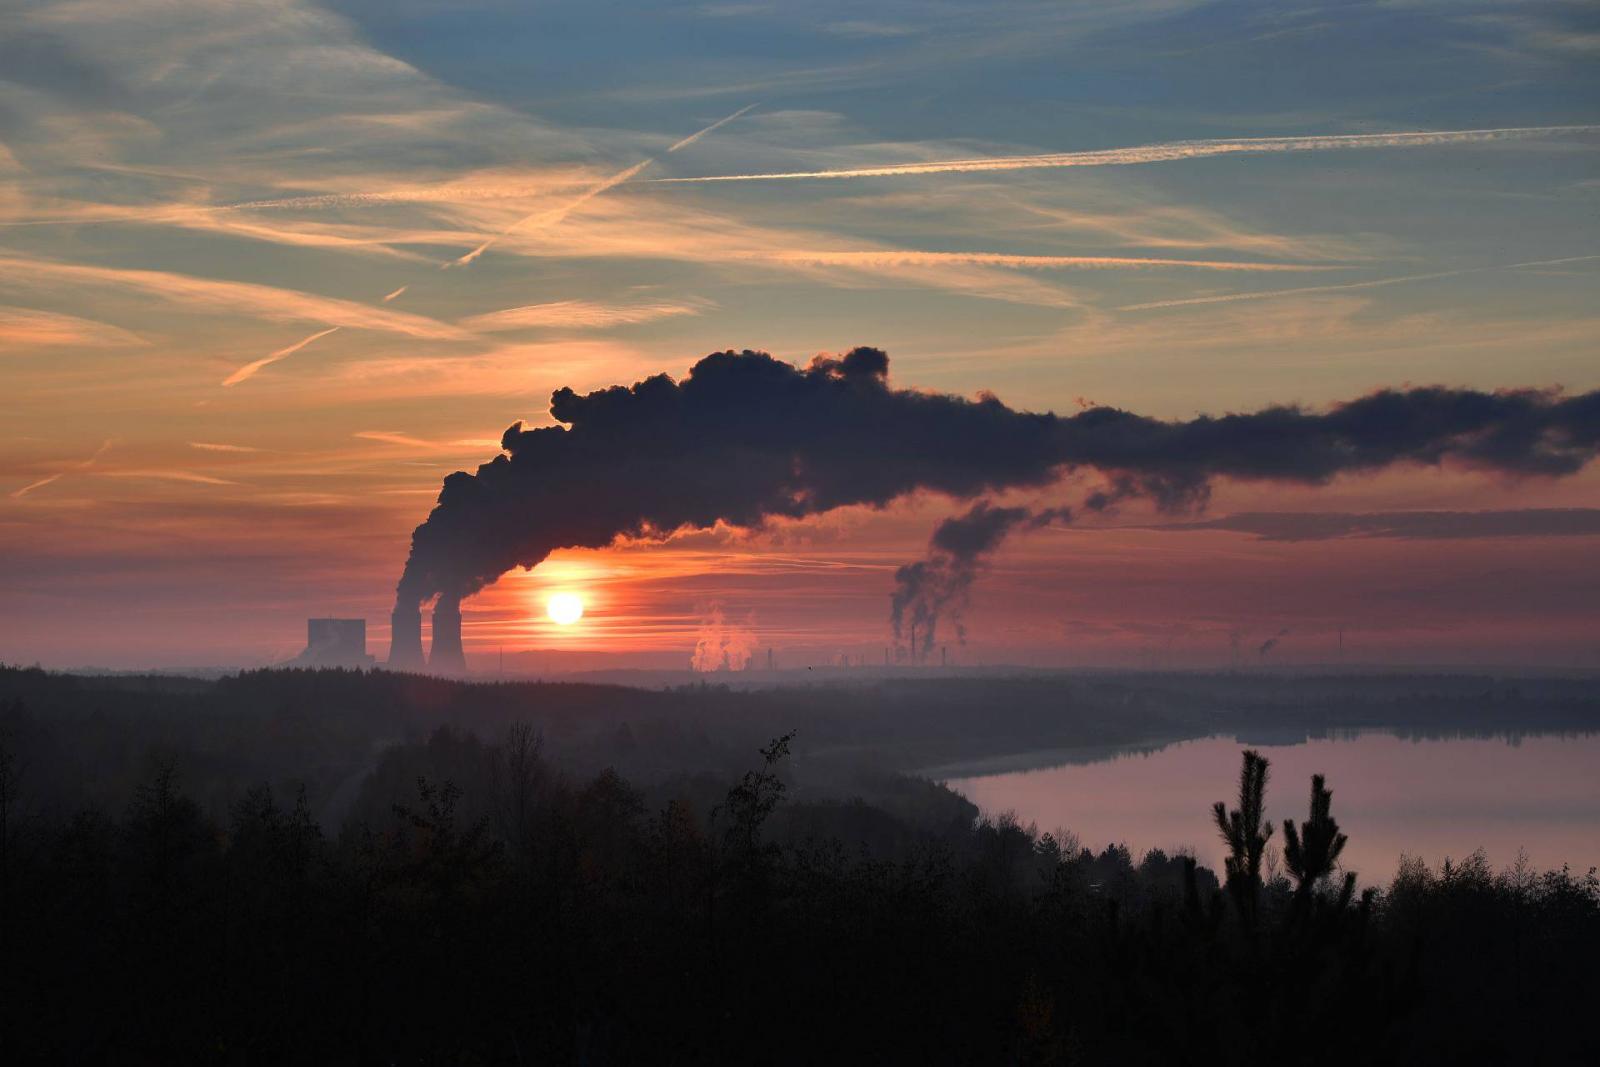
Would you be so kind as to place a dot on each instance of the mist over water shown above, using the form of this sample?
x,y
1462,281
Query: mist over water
x,y
1433,798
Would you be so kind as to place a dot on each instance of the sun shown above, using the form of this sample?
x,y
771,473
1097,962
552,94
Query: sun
x,y
564,609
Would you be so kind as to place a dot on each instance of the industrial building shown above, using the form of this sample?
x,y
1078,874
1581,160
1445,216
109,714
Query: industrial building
x,y
335,643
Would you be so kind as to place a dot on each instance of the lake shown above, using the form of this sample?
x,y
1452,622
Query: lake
x,y
1431,798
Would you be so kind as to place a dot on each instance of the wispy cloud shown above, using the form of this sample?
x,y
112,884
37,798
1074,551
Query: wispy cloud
x,y
216,295
695,136
392,437
164,475
1375,283
249,369
81,465
212,446
1165,152
1409,525
912,257
26,329
577,315
545,219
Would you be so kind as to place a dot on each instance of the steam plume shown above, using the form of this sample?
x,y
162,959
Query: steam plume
x,y
940,585
722,645
746,437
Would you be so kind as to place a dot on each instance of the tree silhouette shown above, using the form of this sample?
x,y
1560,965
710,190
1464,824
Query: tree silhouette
x,y
1245,831
1311,851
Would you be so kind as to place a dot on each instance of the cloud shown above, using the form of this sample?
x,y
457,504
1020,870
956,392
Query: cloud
x,y
746,438
695,136
49,479
1376,283
216,295
212,446
167,475
541,220
1407,525
249,369
1166,152
905,257
24,330
577,315
405,440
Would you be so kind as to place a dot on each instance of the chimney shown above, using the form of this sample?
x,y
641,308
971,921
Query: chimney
x,y
445,655
405,639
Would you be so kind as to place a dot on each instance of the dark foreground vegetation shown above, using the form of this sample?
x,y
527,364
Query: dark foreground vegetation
x,y
483,901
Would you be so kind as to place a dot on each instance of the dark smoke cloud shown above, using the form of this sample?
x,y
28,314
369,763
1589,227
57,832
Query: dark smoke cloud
x,y
745,437
940,585
1271,643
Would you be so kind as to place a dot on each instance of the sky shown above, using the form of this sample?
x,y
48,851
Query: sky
x,y
271,269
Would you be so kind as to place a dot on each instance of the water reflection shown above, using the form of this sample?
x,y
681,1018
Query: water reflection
x,y
1428,797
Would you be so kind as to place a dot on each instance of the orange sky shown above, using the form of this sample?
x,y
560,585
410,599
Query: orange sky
x,y
235,369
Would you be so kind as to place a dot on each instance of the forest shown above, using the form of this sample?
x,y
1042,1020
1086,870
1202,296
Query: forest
x,y
338,867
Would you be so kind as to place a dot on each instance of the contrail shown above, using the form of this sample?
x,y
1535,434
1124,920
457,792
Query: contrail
x,y
693,137
555,215
18,494
542,218
1164,152
1229,298
249,369
916,258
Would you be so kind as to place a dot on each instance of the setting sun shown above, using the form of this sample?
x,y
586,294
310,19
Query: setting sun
x,y
564,609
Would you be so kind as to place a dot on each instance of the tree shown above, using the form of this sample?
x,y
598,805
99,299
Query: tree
x,y
1312,851
1245,831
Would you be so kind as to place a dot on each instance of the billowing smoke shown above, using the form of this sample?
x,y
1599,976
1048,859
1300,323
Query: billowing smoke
x,y
939,586
746,437
1271,643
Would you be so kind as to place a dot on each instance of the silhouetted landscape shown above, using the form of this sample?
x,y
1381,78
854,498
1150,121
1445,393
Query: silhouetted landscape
x,y
1019,532
338,866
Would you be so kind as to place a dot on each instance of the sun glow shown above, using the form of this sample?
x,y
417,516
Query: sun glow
x,y
564,609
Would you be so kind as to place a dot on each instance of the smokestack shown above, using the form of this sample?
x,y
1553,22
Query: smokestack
x,y
405,638
445,656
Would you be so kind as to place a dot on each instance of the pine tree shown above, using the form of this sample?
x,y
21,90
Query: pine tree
x,y
1245,831
1312,851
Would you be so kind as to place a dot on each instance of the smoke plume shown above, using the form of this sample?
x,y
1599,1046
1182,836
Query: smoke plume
x,y
721,645
744,438
940,585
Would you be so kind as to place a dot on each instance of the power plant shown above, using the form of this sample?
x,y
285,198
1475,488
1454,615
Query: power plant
x,y
335,643
405,641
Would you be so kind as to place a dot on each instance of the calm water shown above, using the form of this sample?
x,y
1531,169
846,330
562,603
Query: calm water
x,y
1428,798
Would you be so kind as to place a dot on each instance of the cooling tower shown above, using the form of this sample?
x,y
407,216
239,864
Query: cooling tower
x,y
445,656
405,640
